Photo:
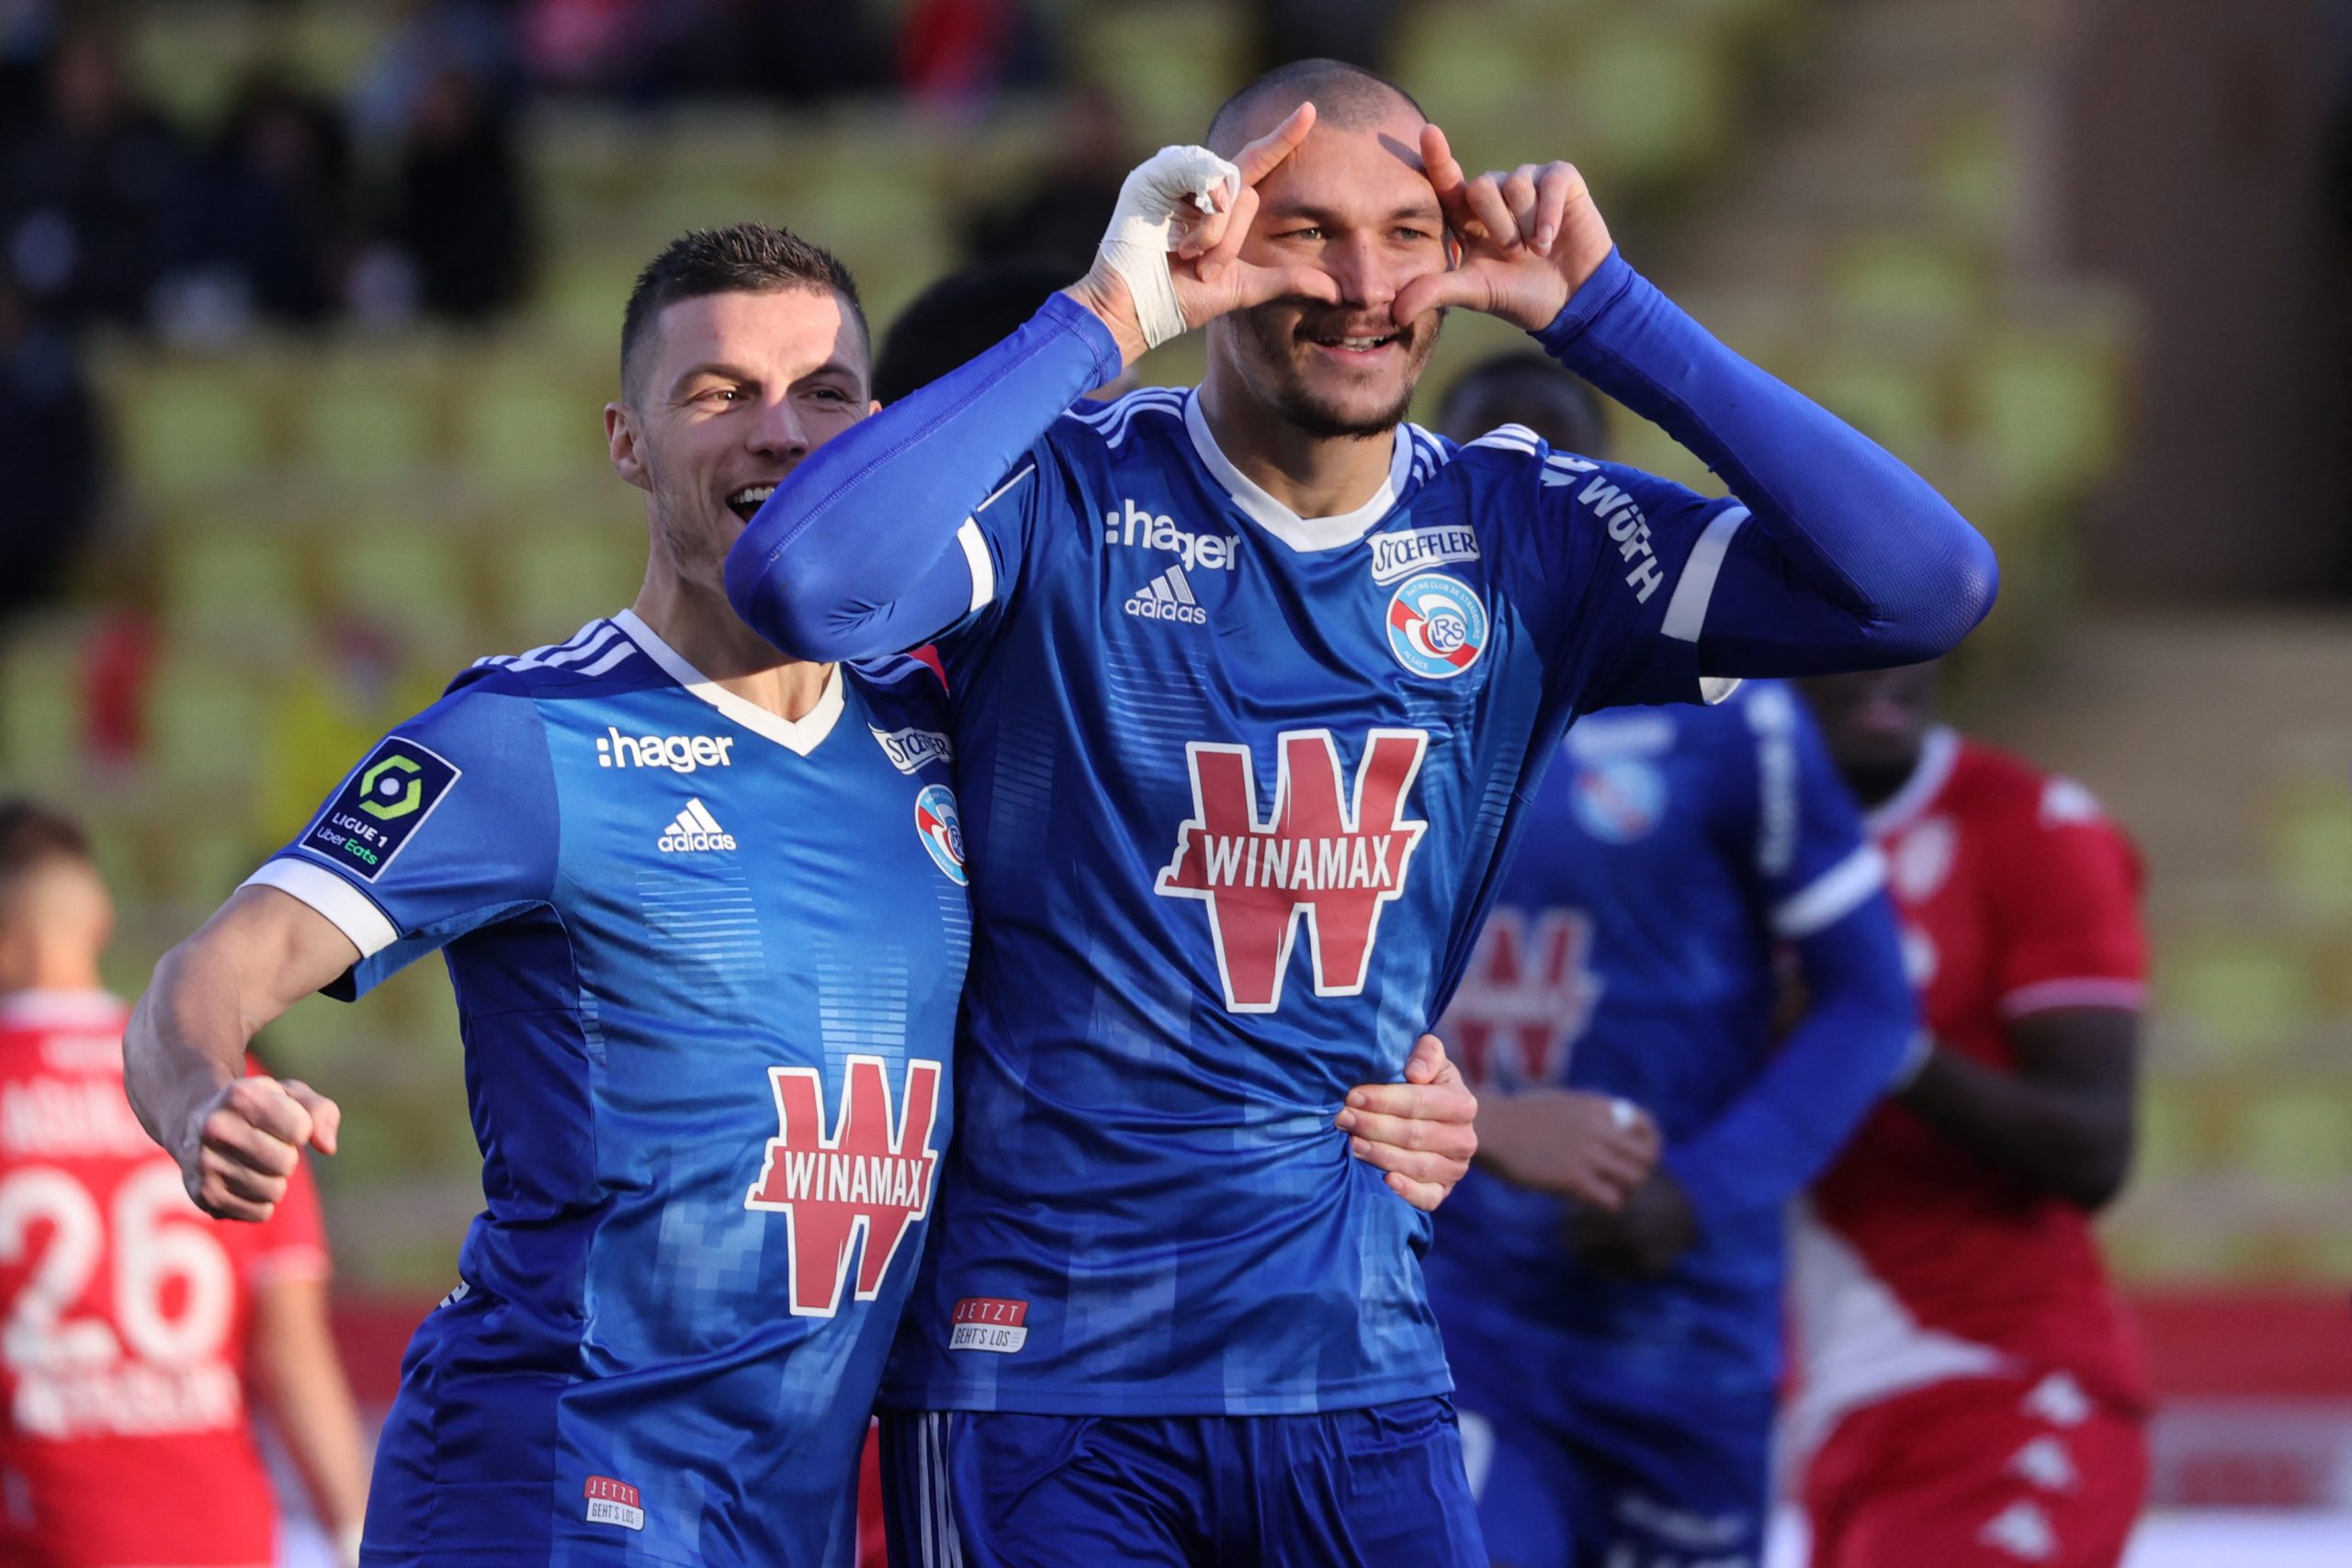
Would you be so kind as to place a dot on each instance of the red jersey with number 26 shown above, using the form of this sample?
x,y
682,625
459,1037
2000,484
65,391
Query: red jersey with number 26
x,y
1921,1260
123,1317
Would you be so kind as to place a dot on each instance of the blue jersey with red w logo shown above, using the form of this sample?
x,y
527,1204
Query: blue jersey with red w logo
x,y
707,964
1238,786
1631,952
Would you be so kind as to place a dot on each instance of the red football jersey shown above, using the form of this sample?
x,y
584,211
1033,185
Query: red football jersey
x,y
1918,1260
123,1317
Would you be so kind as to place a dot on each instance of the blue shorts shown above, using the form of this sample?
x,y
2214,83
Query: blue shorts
x,y
1376,1488
1571,1473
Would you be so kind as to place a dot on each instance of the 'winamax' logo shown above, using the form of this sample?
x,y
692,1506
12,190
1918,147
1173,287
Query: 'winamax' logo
x,y
870,1176
1321,858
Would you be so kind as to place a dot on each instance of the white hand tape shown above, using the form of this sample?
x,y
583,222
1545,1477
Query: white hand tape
x,y
1143,229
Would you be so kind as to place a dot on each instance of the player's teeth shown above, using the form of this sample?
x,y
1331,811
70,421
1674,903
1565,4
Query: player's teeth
x,y
752,496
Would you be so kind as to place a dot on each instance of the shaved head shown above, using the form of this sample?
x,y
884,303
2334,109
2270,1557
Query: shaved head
x,y
1346,97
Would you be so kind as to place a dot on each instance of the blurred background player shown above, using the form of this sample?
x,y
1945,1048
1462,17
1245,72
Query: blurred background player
x,y
139,1332
1974,1388
1614,1324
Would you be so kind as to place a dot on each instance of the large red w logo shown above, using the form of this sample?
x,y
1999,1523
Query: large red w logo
x,y
1525,999
868,1177
1316,857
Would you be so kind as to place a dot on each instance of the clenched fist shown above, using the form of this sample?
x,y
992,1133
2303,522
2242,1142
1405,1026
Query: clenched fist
x,y
245,1143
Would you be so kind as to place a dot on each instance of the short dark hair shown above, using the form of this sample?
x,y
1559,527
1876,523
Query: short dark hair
x,y
31,833
745,259
1577,420
958,318
1343,94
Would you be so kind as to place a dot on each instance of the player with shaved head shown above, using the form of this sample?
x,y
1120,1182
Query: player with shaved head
x,y
1251,684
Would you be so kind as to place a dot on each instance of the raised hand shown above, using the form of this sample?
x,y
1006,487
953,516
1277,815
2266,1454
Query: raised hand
x,y
1202,260
1528,240
243,1146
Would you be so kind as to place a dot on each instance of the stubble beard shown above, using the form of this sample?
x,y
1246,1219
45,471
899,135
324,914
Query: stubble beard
x,y
1296,400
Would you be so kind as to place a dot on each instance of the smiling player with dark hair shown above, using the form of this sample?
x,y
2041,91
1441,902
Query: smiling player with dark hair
x,y
1251,684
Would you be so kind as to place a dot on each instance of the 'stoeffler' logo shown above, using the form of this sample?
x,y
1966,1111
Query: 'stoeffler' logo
x,y
1319,857
870,1176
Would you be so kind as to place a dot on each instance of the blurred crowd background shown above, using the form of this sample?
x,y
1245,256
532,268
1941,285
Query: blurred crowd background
x,y
307,310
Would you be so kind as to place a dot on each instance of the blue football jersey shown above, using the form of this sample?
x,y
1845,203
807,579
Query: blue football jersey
x,y
1631,952
706,965
1236,786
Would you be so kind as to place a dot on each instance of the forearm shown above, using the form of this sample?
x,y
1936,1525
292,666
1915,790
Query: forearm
x,y
1834,1067
309,1401
856,555
2074,1142
186,1042
1894,574
1770,1144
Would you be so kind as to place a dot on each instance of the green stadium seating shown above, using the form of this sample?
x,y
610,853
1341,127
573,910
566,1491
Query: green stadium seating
x,y
234,590
186,425
2307,839
2244,997
2294,1136
205,728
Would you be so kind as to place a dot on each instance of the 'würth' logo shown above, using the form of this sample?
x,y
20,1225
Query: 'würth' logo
x,y
1527,996
1316,857
871,1177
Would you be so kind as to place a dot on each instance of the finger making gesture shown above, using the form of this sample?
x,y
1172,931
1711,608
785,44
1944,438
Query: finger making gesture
x,y
1527,240
1171,260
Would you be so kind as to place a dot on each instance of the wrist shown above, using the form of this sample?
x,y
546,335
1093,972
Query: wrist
x,y
1103,293
1608,281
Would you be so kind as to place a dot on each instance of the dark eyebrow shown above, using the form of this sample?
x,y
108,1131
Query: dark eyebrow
x,y
722,370
1324,218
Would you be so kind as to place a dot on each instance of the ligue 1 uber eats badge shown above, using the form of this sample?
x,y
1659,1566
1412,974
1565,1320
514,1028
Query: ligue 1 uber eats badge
x,y
380,805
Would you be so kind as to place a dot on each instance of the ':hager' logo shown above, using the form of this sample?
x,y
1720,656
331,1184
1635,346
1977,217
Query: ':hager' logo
x,y
1436,626
390,790
870,1176
1318,857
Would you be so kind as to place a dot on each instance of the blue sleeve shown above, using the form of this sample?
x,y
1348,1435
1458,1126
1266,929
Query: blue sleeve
x,y
864,550
1838,556
1820,885
447,825
1597,562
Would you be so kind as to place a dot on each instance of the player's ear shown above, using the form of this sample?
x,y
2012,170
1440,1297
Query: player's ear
x,y
621,443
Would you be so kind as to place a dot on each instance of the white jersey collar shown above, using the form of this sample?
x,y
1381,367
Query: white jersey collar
x,y
60,1009
799,737
1937,755
1301,533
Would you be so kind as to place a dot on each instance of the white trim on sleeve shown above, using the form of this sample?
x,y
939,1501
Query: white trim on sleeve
x,y
1832,895
1686,613
353,912
975,556
2087,991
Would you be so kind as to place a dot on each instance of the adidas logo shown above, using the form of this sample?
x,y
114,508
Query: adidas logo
x,y
1167,597
695,828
